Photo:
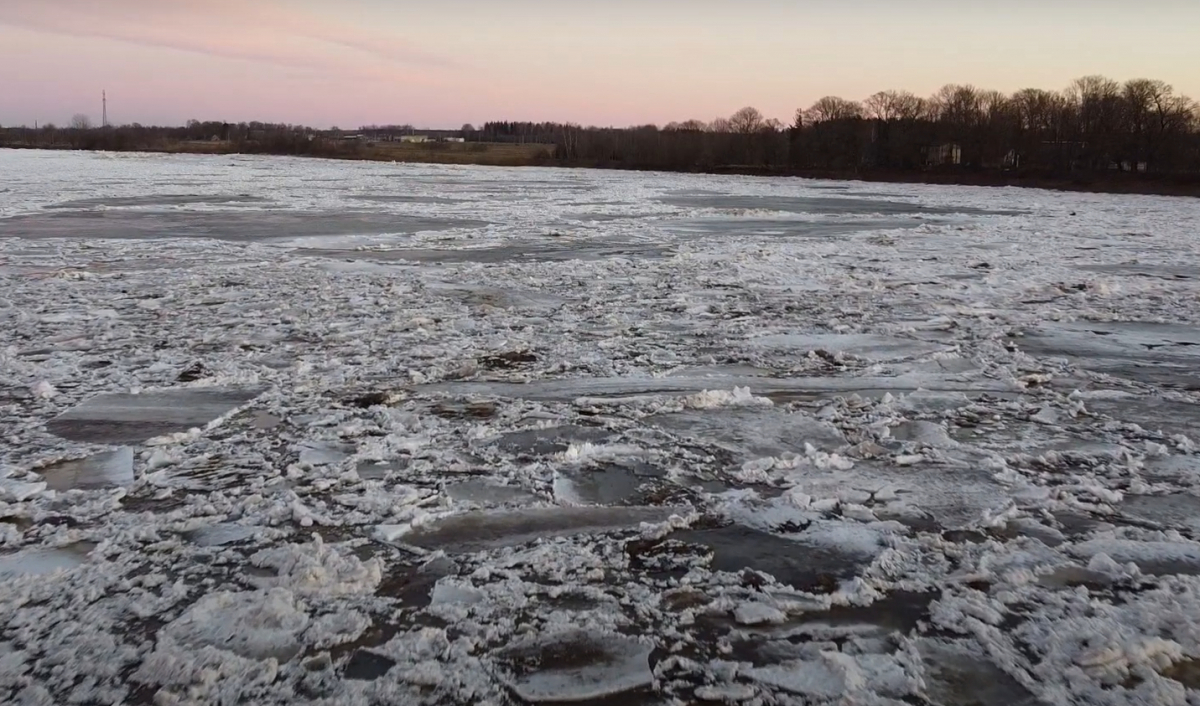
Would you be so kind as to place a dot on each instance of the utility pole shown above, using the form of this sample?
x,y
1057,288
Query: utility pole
x,y
104,109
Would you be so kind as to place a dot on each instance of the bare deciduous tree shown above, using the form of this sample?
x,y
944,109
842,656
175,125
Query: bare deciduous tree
x,y
720,125
833,108
893,105
746,121
686,126
79,121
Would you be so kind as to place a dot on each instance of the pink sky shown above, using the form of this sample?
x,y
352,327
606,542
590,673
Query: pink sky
x,y
355,62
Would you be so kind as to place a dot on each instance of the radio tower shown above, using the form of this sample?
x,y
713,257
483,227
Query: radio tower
x,y
104,103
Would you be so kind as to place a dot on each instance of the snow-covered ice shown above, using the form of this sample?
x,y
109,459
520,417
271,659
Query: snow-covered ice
x,y
289,431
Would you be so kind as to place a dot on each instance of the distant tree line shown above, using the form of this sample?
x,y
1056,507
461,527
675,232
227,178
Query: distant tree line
x,y
195,136
1142,125
1095,125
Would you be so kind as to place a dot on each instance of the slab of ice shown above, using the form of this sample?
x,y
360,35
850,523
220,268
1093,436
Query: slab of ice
x,y
899,612
321,453
754,434
40,562
805,566
488,529
1164,354
221,534
956,674
577,666
602,484
111,469
484,492
725,693
1178,510
132,419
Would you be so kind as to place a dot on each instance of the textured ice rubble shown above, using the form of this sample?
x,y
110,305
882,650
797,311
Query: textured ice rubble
x,y
649,345
868,346
131,419
565,390
837,676
489,529
317,569
576,666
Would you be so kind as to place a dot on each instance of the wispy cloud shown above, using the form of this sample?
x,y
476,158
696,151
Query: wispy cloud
x,y
265,31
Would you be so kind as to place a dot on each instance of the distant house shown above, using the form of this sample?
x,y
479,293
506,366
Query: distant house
x,y
414,138
940,155
455,139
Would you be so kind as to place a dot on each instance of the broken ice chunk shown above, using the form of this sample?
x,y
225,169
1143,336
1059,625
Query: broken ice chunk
x,y
255,625
317,569
755,613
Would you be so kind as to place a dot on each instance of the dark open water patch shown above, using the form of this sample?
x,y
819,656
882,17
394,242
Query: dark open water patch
x,y
220,225
403,198
156,200
785,228
823,205
516,252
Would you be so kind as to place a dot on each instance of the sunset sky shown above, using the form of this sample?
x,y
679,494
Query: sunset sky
x,y
606,62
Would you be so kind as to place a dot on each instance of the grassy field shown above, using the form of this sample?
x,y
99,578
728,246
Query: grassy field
x,y
495,154
487,153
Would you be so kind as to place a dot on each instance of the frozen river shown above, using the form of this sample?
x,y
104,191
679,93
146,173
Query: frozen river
x,y
285,431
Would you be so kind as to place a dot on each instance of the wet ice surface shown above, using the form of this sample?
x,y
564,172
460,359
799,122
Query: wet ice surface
x,y
125,418
302,432
222,225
